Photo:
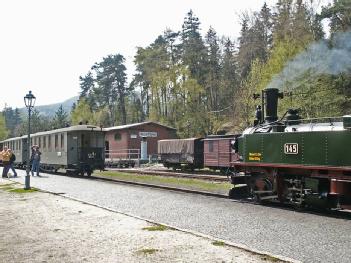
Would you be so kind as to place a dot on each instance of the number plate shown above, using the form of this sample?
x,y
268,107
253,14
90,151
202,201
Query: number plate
x,y
291,148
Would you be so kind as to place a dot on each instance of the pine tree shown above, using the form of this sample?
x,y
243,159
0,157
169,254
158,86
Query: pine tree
x,y
60,119
193,48
111,89
3,129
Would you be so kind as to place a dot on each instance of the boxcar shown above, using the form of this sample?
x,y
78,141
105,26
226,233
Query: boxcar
x,y
218,152
176,153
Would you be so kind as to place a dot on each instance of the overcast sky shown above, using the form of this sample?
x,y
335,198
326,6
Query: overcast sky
x,y
45,45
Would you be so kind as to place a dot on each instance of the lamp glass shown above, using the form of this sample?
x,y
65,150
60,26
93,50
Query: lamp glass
x,y
29,100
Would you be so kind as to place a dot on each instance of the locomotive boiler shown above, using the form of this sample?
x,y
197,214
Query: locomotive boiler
x,y
292,160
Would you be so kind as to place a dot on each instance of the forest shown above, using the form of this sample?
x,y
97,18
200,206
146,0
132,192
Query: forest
x,y
204,84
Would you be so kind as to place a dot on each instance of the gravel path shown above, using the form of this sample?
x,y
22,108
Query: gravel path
x,y
302,236
41,227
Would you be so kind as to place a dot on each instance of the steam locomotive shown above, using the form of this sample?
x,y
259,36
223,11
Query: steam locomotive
x,y
291,160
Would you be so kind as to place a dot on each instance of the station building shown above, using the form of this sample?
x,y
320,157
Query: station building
x,y
131,140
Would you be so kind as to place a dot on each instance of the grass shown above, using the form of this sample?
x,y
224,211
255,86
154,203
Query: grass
x,y
156,228
169,181
218,243
23,191
148,251
270,258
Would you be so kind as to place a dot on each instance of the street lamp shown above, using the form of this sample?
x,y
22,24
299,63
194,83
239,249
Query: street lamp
x,y
29,101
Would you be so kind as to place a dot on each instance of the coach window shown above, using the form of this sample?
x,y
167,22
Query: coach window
x,y
49,142
210,146
44,142
56,141
62,141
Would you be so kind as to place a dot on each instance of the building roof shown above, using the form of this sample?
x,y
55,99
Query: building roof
x,y
132,125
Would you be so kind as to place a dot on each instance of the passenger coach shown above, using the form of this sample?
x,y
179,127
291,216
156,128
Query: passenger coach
x,y
77,149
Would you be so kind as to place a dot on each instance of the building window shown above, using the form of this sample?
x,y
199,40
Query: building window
x,y
210,146
118,136
44,142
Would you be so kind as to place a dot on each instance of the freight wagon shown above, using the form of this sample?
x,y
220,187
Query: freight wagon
x,y
181,153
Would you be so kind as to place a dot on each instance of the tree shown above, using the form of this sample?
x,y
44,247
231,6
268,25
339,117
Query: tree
x,y
255,39
111,89
229,78
339,14
193,48
87,84
3,130
38,123
60,119
82,113
212,80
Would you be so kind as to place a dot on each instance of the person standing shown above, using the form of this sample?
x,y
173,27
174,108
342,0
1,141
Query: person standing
x,y
5,161
12,160
35,158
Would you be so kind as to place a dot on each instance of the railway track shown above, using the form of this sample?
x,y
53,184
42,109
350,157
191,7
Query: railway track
x,y
195,175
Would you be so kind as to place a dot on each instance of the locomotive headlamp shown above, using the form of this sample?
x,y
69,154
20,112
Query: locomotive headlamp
x,y
29,100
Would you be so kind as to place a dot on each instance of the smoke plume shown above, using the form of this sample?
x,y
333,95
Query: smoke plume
x,y
323,57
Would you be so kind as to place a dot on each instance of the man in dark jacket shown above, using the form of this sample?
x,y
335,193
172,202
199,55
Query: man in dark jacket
x,y
12,160
35,158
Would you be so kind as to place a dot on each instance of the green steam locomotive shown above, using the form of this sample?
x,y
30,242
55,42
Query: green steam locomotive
x,y
292,160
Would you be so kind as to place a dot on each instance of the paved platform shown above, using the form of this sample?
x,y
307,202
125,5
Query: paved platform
x,y
42,227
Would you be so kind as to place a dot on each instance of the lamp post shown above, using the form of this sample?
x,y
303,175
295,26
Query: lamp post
x,y
29,101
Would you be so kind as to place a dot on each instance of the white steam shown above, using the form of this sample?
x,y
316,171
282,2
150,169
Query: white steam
x,y
319,58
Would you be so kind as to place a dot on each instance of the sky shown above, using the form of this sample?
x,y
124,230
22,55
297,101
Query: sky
x,y
45,45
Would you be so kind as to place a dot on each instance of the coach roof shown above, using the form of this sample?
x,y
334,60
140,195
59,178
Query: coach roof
x,y
66,129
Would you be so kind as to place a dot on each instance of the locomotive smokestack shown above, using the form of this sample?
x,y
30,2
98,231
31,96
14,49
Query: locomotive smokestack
x,y
271,104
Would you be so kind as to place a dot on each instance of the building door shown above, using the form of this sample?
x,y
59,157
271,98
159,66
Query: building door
x,y
143,149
